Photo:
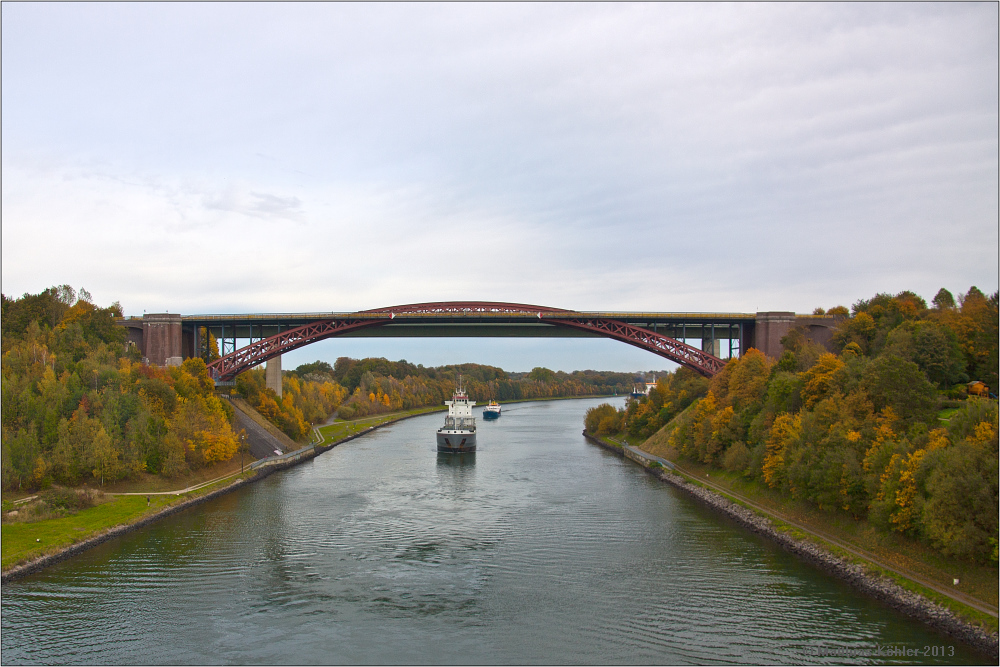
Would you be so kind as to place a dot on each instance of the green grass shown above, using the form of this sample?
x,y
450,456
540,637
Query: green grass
x,y
342,428
983,587
26,541
945,415
897,550
22,542
614,443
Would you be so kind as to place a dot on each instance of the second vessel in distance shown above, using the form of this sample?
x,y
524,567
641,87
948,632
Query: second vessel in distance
x,y
492,410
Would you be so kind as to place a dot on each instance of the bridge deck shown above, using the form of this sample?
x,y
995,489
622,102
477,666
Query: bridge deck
x,y
304,318
466,324
167,338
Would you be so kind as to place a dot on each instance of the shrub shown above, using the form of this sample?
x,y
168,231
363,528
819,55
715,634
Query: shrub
x,y
737,457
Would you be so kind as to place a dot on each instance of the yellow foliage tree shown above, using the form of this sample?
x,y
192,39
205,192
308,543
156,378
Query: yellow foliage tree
x,y
818,379
884,436
201,426
985,434
701,428
748,381
906,493
937,439
784,429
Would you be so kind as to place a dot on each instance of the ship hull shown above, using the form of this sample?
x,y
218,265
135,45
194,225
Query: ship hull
x,y
491,414
456,442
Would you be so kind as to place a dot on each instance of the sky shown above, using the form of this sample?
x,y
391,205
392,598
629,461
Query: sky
x,y
232,158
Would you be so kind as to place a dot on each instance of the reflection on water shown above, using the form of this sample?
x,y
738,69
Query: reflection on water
x,y
457,460
539,548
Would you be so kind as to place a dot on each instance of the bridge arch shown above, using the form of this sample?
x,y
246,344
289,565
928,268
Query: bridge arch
x,y
468,312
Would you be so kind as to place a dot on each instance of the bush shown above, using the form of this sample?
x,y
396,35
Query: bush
x,y
71,499
54,503
737,457
601,420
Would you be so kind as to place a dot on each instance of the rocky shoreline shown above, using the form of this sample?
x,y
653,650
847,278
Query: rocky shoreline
x,y
881,588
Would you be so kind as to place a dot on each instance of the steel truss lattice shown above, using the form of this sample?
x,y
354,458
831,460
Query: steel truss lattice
x,y
664,346
259,351
245,358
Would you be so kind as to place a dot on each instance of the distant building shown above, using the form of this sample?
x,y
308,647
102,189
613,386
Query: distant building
x,y
977,388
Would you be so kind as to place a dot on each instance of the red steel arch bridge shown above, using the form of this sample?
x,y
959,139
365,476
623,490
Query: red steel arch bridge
x,y
167,339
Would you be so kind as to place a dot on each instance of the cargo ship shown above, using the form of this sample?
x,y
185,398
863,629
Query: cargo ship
x,y
458,435
492,410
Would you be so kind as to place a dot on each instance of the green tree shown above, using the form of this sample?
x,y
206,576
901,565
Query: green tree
x,y
860,329
895,382
960,513
943,300
21,452
541,374
933,347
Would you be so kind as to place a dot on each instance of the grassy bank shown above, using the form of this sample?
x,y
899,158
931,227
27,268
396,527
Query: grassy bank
x,y
916,564
342,428
25,541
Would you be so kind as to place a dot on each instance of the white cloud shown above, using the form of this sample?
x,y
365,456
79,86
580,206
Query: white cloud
x,y
644,156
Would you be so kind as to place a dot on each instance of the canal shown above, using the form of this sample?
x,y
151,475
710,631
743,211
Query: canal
x,y
544,549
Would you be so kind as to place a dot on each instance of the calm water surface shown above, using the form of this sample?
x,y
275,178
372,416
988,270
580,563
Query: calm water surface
x,y
543,549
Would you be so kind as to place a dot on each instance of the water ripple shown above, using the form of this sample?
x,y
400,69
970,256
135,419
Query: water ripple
x,y
544,550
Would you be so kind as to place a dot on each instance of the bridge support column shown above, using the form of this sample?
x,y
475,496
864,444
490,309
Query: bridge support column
x,y
162,337
770,328
272,374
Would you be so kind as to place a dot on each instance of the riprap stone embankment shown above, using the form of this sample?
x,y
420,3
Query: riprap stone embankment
x,y
861,578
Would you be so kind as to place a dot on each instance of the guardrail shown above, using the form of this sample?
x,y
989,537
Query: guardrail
x,y
287,457
644,458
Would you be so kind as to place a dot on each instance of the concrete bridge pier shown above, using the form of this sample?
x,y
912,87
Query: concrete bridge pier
x,y
772,326
272,374
162,339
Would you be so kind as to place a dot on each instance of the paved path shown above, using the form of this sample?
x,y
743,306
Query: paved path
x,y
180,491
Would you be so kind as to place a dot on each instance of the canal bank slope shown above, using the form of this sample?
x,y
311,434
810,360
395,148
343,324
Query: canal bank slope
x,y
260,469
858,576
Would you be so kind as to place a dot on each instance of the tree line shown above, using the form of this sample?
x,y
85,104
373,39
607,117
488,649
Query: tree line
x,y
879,428
78,404
377,385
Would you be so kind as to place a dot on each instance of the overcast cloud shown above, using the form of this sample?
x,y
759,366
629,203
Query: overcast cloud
x,y
331,157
